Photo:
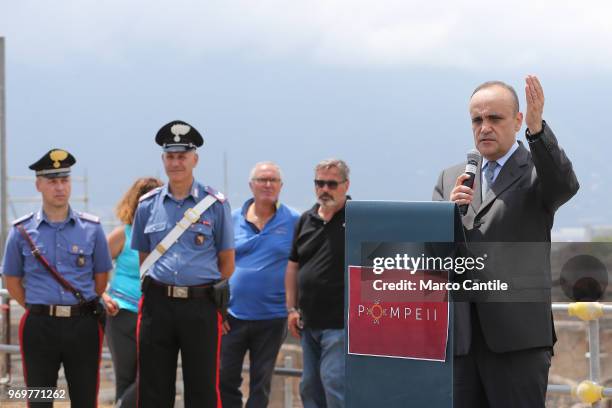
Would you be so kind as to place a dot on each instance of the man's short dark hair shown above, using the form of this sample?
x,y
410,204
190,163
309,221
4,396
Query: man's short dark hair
x,y
490,84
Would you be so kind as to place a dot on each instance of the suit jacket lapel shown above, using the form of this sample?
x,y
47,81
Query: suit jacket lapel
x,y
512,171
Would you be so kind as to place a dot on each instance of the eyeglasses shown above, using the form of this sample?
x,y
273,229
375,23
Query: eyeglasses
x,y
332,184
263,180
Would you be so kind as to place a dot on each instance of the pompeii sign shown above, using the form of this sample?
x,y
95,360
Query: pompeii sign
x,y
390,323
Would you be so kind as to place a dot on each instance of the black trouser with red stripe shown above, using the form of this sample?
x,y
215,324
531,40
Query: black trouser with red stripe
x,y
165,326
76,342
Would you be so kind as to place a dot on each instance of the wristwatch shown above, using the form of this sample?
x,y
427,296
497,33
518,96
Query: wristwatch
x,y
291,310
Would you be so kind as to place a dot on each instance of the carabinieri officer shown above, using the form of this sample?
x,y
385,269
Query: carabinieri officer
x,y
183,252
60,324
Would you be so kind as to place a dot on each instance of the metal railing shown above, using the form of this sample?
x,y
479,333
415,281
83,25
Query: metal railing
x,y
588,391
287,370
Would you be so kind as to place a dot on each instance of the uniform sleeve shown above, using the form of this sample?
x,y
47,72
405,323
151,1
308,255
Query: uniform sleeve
x,y
224,234
139,240
102,261
12,264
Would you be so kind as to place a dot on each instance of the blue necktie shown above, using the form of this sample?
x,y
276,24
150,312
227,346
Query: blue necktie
x,y
489,174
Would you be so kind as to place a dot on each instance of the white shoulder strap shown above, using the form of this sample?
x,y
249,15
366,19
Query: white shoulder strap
x,y
191,215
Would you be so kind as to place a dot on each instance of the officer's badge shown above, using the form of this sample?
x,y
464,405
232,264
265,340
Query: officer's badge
x,y
57,156
179,130
199,239
75,249
80,260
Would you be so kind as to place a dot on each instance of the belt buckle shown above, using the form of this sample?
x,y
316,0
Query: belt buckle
x,y
181,292
62,311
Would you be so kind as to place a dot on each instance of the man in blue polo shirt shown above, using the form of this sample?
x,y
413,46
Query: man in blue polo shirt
x,y
257,321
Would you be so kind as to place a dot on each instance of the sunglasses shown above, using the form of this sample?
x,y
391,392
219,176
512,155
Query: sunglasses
x,y
332,184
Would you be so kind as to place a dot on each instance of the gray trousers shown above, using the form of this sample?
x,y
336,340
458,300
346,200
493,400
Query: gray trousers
x,y
121,340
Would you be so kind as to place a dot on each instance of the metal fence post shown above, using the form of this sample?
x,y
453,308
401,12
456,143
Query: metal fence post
x,y
5,308
594,363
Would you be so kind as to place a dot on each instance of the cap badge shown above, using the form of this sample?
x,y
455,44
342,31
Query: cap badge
x,y
179,130
57,156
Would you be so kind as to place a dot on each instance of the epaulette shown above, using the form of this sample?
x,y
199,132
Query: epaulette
x,y
150,194
218,195
22,219
88,217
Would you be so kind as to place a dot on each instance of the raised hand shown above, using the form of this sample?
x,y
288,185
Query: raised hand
x,y
534,94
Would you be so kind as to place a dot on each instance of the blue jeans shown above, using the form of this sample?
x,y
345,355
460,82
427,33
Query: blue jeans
x,y
322,383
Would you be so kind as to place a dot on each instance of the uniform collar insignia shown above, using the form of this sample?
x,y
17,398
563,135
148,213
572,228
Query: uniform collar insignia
x,y
39,217
195,191
165,190
71,215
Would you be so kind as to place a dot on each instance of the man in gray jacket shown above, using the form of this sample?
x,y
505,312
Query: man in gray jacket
x,y
503,350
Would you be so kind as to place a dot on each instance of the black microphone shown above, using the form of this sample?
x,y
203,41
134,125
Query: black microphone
x,y
473,157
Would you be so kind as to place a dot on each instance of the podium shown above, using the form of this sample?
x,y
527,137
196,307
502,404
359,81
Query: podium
x,y
395,380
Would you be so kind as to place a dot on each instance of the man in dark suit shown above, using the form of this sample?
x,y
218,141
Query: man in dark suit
x,y
503,350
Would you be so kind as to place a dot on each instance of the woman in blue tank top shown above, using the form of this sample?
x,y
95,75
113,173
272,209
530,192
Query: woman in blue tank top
x,y
123,294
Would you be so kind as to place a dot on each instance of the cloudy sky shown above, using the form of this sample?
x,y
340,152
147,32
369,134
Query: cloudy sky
x,y
383,85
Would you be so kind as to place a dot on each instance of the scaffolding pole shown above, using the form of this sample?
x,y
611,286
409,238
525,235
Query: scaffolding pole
x,y
5,310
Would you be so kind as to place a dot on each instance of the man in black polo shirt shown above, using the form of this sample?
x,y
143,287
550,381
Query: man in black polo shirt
x,y
315,277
